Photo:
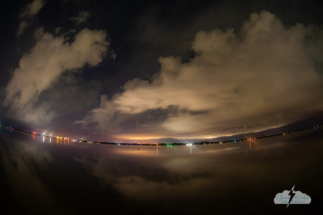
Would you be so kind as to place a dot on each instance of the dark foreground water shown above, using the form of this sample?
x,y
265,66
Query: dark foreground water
x,y
43,176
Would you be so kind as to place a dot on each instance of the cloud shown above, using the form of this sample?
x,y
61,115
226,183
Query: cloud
x,y
22,26
32,9
42,67
264,76
28,14
82,17
111,122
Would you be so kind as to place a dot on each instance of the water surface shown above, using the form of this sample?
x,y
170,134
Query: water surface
x,y
46,176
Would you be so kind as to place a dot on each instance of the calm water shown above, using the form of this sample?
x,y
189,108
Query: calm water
x,y
43,176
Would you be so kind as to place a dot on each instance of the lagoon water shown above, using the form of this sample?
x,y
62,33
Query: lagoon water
x,y
46,176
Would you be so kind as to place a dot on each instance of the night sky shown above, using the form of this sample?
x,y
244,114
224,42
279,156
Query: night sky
x,y
159,70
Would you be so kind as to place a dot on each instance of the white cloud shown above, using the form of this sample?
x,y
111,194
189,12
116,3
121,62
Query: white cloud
x,y
82,17
262,77
32,9
46,62
28,13
22,26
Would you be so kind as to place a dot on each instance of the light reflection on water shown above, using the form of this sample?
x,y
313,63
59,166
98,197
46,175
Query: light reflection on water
x,y
43,176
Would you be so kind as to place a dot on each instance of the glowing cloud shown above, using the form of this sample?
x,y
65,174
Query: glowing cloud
x,y
28,13
82,17
45,63
262,77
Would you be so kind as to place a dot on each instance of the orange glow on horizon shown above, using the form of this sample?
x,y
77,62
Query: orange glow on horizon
x,y
156,137
138,137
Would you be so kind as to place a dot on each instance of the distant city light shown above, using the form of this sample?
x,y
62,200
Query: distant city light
x,y
161,144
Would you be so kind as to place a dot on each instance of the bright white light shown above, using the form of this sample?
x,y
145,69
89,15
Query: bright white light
x,y
187,144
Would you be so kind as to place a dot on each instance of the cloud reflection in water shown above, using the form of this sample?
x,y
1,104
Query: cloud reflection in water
x,y
84,178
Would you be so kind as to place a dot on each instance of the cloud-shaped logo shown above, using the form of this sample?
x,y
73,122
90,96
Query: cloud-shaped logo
x,y
292,197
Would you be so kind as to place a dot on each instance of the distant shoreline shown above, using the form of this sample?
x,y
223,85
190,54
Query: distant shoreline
x,y
160,144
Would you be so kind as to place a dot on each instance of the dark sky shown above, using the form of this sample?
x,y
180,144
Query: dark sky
x,y
147,70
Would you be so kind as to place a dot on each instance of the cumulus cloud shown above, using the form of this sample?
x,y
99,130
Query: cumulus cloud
x,y
82,17
44,64
112,123
264,76
28,14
